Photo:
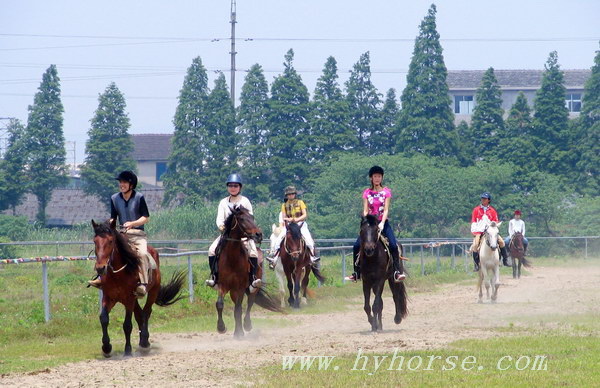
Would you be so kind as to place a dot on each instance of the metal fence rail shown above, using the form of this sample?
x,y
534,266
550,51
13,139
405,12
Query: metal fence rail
x,y
424,247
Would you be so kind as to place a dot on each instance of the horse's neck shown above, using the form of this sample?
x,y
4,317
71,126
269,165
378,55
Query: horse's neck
x,y
484,249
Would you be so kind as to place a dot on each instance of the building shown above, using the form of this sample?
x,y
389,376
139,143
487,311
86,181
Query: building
x,y
151,153
463,86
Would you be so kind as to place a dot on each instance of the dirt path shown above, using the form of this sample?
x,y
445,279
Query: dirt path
x,y
543,299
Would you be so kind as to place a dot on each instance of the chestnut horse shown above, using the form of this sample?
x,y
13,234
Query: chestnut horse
x,y
234,268
295,259
517,253
375,268
117,263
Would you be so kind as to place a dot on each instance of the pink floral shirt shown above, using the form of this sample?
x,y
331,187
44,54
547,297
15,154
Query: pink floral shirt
x,y
376,200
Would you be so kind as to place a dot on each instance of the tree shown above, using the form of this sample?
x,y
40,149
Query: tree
x,y
13,183
364,101
550,135
516,143
220,141
252,121
487,124
189,149
109,147
330,118
45,142
385,140
288,140
588,166
426,120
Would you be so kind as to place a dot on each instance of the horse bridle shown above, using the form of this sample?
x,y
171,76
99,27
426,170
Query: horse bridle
x,y
110,260
293,253
245,235
487,239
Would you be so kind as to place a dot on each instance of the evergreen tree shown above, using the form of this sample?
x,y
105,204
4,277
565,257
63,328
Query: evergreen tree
x,y
220,141
550,135
252,121
109,147
186,169
516,142
45,142
364,101
384,141
288,139
487,124
330,118
12,168
426,120
588,149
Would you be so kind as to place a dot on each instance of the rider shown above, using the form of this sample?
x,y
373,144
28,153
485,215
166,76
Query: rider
x,y
517,225
477,228
294,210
234,188
376,201
131,208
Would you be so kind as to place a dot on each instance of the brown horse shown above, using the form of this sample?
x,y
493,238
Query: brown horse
x,y
234,268
517,253
117,263
295,258
376,267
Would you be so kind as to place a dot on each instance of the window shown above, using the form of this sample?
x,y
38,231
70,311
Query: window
x,y
161,168
463,105
573,102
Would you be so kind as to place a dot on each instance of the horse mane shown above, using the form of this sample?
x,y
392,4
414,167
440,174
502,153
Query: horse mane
x,y
371,219
237,209
129,255
294,229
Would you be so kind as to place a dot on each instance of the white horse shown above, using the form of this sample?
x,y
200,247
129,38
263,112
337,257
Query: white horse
x,y
489,268
279,272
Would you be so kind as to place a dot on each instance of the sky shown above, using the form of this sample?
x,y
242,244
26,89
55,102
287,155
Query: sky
x,y
146,46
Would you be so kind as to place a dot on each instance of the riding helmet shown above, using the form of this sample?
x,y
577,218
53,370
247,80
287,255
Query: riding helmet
x,y
234,178
375,170
128,176
486,195
289,190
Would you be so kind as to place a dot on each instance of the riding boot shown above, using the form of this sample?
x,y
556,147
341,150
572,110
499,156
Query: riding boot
x,y
315,260
476,261
254,282
96,282
140,290
273,260
504,255
398,273
212,263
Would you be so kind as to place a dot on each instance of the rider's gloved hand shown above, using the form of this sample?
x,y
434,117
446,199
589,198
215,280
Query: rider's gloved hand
x,y
381,225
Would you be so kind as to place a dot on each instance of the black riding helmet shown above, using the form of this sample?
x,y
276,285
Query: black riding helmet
x,y
128,176
375,170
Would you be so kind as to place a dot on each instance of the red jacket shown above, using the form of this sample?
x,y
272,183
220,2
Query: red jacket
x,y
478,213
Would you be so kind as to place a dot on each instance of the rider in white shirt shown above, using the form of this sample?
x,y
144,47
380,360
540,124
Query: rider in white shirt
x,y
517,225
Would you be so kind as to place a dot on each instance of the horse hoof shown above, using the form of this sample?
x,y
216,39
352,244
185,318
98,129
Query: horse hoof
x,y
480,301
303,301
397,320
222,330
248,326
238,336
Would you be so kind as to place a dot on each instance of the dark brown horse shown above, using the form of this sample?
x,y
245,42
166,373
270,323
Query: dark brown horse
x,y
376,267
517,253
117,263
234,269
295,259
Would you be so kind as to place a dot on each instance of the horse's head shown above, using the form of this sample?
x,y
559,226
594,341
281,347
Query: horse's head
x,y
491,235
294,244
517,241
242,222
369,234
105,241
275,232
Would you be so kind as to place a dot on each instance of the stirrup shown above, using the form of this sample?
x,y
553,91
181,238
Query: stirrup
x,y
399,276
272,262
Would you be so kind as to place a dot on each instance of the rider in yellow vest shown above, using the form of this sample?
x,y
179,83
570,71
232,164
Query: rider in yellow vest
x,y
294,210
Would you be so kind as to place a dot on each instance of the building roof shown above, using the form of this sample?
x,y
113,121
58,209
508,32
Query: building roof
x,y
514,79
151,146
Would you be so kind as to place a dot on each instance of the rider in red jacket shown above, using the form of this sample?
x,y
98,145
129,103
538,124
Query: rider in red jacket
x,y
477,228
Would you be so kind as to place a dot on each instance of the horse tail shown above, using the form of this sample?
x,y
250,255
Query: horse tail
x,y
169,294
400,300
526,263
318,275
266,301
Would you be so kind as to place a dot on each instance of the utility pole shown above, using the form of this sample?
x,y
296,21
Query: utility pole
x,y
233,52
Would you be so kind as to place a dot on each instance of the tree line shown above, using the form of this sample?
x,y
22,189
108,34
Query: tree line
x,y
279,135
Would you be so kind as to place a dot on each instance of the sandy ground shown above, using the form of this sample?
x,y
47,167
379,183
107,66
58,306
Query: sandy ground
x,y
543,299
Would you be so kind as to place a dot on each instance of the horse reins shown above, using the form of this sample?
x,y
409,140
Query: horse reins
x,y
302,243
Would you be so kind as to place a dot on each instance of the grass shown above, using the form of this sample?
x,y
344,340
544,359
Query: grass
x,y
570,360
28,343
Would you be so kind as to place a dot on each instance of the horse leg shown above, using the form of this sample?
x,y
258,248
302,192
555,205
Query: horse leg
x,y
290,286
519,270
480,300
219,305
237,297
104,320
141,321
247,319
378,306
514,267
127,328
297,281
495,284
280,274
367,306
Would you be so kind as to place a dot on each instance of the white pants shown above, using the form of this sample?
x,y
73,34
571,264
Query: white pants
x,y
248,244
138,240
310,243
